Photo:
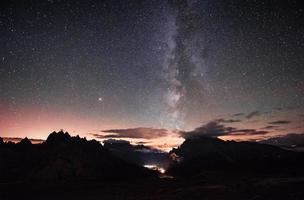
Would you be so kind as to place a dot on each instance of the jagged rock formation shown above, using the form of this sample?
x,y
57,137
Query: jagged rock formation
x,y
62,157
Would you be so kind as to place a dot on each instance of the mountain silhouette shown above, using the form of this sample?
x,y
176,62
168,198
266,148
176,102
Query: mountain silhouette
x,y
62,157
65,167
25,142
290,141
197,154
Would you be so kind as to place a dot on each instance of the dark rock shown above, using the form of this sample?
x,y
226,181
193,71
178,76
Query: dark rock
x,y
205,153
62,157
25,142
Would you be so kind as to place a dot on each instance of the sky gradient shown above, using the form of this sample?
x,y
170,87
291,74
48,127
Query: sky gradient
x,y
93,66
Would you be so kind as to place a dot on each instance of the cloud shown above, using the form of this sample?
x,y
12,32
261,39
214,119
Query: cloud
x,y
227,120
280,122
211,129
216,129
238,114
284,108
252,114
270,127
142,143
141,132
113,141
249,132
126,146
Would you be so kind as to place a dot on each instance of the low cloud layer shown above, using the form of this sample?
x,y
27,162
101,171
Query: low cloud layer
x,y
143,133
227,120
270,127
238,114
216,129
252,114
280,122
18,139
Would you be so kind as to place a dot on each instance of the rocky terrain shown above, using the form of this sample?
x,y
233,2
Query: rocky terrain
x,y
65,167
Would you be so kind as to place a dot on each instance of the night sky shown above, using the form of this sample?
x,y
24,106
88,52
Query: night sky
x,y
150,70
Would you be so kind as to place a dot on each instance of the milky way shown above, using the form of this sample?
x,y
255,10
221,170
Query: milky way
x,y
184,67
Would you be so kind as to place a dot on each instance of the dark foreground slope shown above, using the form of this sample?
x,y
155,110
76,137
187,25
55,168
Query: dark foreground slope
x,y
62,157
209,186
199,154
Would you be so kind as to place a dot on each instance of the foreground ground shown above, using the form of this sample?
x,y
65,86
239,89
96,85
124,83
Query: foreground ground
x,y
211,185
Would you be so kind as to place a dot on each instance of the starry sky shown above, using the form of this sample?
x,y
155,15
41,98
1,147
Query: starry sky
x,y
151,71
